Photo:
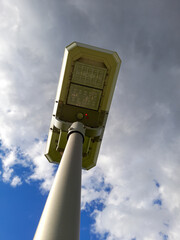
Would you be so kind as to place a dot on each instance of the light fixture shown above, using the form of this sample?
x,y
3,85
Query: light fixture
x,y
86,85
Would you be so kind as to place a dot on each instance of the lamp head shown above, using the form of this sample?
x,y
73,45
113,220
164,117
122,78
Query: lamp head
x,y
86,86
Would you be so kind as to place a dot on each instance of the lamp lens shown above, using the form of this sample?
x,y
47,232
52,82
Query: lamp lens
x,y
89,75
84,96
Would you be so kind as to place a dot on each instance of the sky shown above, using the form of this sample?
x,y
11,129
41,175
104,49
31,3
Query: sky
x,y
133,193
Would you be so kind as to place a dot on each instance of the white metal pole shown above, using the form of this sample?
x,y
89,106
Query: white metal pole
x,y
60,219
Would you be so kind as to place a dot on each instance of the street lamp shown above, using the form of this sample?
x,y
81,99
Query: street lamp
x,y
87,81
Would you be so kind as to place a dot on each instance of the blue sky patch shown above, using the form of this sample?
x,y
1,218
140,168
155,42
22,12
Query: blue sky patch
x,y
95,204
157,202
164,236
166,224
156,183
108,188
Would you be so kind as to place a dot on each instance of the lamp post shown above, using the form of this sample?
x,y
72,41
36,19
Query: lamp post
x,y
61,216
87,81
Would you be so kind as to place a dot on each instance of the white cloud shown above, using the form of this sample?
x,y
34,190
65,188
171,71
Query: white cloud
x,y
43,170
133,174
27,95
7,164
16,181
7,173
93,188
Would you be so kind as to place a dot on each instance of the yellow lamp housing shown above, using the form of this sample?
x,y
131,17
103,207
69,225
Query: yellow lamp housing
x,y
86,86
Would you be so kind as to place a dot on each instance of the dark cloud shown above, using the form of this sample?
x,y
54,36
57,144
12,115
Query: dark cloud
x,y
147,28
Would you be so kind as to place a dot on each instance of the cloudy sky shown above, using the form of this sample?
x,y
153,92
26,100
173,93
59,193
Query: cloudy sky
x,y
134,191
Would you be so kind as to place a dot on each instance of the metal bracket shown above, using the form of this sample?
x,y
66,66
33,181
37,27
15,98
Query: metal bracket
x,y
76,127
89,132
